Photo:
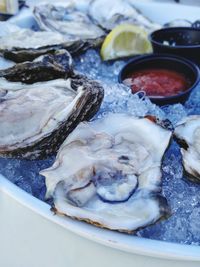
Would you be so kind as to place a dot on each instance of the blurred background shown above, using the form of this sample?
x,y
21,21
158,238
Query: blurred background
x,y
12,6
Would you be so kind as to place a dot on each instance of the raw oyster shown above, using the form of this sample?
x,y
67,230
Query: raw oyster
x,y
188,134
36,118
109,14
21,45
67,20
107,173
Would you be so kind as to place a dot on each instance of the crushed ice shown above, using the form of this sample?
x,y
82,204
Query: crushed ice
x,y
183,196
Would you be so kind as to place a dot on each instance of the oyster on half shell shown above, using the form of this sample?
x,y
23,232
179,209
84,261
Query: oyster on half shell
x,y
35,118
109,14
67,20
107,172
21,45
187,132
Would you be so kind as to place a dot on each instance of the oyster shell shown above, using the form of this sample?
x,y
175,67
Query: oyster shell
x,y
36,118
7,28
187,132
21,45
109,14
44,68
107,173
67,20
178,23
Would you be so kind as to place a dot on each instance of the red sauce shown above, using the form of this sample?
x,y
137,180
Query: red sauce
x,y
157,82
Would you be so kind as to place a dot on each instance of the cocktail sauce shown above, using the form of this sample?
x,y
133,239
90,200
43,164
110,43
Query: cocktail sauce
x,y
157,82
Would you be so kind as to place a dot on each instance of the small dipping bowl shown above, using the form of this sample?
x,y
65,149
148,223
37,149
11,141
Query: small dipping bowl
x,y
181,41
167,62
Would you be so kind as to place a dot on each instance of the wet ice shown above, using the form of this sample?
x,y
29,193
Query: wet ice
x,y
183,196
25,174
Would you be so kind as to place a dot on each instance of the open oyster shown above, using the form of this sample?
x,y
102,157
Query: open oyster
x,y
107,173
188,134
21,45
67,20
35,118
109,14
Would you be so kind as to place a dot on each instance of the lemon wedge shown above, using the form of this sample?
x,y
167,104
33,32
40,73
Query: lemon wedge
x,y
3,6
125,40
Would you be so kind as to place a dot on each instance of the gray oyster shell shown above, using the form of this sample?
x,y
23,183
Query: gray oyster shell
x,y
67,20
44,68
187,133
28,54
109,14
101,163
35,118
21,45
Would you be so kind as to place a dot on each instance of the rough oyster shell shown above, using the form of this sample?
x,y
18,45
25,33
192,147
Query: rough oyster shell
x,y
105,158
67,20
36,118
21,45
187,132
109,14
44,68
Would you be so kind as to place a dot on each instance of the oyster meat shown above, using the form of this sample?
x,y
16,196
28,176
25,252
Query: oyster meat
x,y
109,14
187,132
67,20
35,118
107,172
21,45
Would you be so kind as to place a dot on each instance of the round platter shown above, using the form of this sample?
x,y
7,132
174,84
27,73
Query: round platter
x,y
32,236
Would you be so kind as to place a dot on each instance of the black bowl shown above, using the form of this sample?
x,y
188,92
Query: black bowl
x,y
181,41
181,65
